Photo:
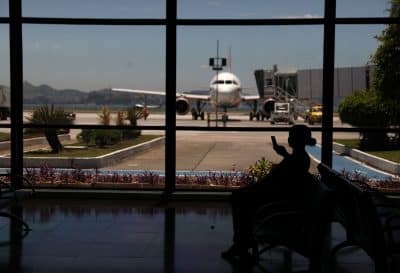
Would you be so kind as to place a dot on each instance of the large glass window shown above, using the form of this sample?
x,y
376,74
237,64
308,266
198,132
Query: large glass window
x,y
5,57
89,73
269,69
3,8
365,77
91,58
237,9
81,64
94,8
4,97
355,46
363,8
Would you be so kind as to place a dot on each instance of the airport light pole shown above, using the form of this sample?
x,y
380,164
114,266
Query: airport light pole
x,y
217,65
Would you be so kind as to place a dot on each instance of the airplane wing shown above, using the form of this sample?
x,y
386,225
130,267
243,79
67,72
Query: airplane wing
x,y
194,96
159,93
138,105
137,91
250,97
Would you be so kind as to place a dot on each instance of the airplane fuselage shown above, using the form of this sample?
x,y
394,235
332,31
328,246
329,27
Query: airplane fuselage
x,y
225,90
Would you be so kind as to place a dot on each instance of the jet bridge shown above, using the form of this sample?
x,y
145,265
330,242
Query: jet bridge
x,y
274,85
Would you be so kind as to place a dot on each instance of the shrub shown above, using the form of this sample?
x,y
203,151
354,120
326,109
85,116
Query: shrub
x,y
86,136
258,170
366,109
107,137
100,138
131,134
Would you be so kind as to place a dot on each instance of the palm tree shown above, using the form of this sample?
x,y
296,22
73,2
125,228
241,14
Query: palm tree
x,y
105,116
49,115
119,120
133,114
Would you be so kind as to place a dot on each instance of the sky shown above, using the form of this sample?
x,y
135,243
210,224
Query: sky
x,y
95,57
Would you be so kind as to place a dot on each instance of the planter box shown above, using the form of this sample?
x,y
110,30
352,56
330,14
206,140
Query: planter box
x,y
127,186
85,162
377,162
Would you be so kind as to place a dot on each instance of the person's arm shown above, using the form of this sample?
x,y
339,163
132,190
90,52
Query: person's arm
x,y
279,149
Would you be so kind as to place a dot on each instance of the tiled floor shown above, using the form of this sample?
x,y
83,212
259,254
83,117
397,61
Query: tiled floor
x,y
126,236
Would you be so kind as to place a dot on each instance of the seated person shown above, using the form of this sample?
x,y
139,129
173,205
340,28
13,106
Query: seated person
x,y
286,181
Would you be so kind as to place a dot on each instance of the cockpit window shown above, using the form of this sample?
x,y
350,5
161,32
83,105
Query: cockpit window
x,y
228,82
218,82
235,83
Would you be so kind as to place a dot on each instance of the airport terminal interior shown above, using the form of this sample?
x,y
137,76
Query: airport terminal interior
x,y
174,223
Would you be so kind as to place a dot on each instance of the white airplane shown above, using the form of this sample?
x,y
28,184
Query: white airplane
x,y
225,92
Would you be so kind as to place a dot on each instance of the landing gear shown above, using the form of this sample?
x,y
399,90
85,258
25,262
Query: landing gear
x,y
257,115
196,115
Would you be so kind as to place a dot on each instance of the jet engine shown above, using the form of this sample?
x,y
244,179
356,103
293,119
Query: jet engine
x,y
182,106
267,106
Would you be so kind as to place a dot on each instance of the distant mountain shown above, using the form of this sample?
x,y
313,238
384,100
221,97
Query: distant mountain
x,y
45,94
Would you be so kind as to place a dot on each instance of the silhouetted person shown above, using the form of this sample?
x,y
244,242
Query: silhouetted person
x,y
289,180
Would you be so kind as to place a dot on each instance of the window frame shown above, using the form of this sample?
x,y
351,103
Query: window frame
x,y
171,22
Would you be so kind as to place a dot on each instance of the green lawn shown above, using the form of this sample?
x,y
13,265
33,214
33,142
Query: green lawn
x,y
92,151
6,136
393,155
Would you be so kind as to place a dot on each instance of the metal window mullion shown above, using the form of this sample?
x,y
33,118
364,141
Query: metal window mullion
x,y
16,92
170,83
328,81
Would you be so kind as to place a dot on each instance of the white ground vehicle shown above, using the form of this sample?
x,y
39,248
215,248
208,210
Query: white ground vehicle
x,y
283,112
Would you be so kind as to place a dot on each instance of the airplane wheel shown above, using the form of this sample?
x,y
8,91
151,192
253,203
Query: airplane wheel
x,y
194,116
202,115
251,116
257,116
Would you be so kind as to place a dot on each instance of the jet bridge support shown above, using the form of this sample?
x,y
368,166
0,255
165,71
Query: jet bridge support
x,y
222,116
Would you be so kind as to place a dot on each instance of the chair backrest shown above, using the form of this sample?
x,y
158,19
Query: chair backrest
x,y
319,217
355,209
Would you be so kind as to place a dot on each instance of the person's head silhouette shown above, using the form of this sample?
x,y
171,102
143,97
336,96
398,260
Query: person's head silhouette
x,y
300,136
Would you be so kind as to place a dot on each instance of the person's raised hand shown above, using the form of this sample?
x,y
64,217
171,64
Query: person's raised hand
x,y
279,149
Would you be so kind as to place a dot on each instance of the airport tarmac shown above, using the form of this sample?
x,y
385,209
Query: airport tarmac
x,y
207,151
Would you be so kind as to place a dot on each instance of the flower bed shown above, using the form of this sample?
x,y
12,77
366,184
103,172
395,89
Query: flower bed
x,y
47,177
390,185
